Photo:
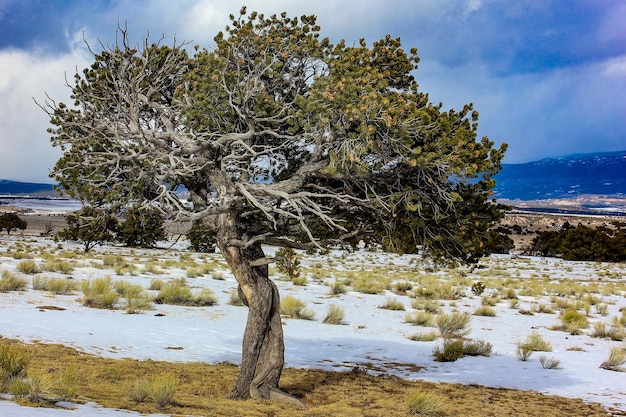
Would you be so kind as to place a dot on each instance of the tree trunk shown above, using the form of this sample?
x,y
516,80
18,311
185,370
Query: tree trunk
x,y
263,348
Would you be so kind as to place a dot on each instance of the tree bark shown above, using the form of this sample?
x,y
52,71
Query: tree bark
x,y
262,358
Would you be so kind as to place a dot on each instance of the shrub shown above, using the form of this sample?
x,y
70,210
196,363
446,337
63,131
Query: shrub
x,y
600,330
368,286
478,287
155,284
139,391
403,286
485,311
14,359
163,388
617,358
235,299
420,318
127,289
299,281
535,342
54,285
98,293
523,351
11,282
574,321
295,308
392,304
489,301
337,287
477,348
424,336
60,266
28,266
177,293
424,403
66,386
450,351
549,363
288,263
334,315
454,325
428,306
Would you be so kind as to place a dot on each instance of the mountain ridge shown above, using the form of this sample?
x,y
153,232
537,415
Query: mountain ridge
x,y
563,177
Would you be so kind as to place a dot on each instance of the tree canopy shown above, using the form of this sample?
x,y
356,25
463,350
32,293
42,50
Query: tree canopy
x,y
278,137
11,221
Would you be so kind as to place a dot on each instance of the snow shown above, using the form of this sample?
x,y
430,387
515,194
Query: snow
x,y
372,337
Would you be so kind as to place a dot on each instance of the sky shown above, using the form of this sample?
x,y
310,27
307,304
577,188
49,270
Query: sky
x,y
548,77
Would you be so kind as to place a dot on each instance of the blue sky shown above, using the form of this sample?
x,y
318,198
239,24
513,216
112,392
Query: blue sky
x,y
547,76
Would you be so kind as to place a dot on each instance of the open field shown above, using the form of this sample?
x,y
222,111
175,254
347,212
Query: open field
x,y
386,339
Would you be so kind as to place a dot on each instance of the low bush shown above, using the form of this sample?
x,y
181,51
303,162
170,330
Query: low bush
x,y
60,266
485,311
574,321
295,308
453,325
549,363
420,318
54,285
334,315
11,282
617,358
449,351
537,343
235,299
424,403
393,304
14,359
477,348
28,266
177,293
424,336
99,293
163,388
478,288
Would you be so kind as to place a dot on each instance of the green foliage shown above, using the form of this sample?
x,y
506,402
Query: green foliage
x,y
581,243
11,221
288,263
393,304
242,130
478,287
142,227
201,238
90,227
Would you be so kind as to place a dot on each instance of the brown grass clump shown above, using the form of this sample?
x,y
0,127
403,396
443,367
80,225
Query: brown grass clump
x,y
202,389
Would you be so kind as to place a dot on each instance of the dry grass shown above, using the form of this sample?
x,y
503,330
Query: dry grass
x,y
202,389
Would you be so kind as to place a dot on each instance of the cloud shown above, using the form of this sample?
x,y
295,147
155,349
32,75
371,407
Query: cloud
x,y
26,153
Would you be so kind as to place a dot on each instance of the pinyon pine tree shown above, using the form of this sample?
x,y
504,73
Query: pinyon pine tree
x,y
281,138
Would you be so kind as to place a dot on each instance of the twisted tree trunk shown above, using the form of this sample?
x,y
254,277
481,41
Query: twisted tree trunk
x,y
263,348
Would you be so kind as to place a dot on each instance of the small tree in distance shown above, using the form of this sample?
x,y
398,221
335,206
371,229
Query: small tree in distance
x,y
141,227
281,138
11,221
90,227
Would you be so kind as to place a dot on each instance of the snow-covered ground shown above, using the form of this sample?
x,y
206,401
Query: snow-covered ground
x,y
371,337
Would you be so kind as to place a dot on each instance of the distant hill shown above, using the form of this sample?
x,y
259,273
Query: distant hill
x,y
564,177
26,188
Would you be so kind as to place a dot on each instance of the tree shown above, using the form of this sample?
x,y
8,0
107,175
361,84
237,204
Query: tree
x,y
90,227
11,221
280,138
141,227
201,238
